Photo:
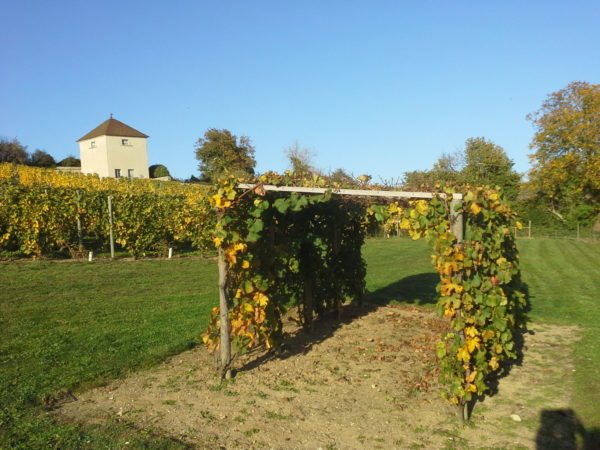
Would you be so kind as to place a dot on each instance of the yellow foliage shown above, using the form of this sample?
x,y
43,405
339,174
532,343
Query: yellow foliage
x,y
475,208
463,354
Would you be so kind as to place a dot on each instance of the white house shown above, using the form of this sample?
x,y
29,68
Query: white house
x,y
114,149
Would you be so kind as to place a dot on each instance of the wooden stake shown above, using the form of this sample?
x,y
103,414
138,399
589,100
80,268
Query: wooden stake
x,y
79,232
224,318
111,235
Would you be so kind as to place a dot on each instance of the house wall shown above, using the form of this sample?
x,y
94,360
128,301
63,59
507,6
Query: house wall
x,y
111,153
94,160
133,155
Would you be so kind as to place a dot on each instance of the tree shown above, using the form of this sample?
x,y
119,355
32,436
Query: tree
x,y
70,161
487,164
220,153
40,158
480,163
566,162
339,177
12,151
301,160
158,171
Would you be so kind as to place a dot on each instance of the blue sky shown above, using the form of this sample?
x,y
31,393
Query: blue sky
x,y
376,87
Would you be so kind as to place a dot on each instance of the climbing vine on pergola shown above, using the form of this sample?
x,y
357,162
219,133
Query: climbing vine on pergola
x,y
280,245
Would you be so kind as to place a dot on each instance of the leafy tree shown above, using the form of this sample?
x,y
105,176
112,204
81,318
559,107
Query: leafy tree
x,y
566,162
341,178
487,164
220,153
158,171
480,163
12,151
40,158
70,161
301,160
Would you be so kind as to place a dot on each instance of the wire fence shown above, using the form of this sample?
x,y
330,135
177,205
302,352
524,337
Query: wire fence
x,y
579,232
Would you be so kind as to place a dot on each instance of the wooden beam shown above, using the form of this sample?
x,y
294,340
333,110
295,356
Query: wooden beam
x,y
352,192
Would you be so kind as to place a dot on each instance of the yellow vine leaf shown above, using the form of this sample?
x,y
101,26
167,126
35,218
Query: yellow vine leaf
x,y
261,299
463,354
494,363
475,208
472,344
471,331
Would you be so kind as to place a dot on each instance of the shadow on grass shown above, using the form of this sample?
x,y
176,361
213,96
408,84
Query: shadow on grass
x,y
562,429
415,289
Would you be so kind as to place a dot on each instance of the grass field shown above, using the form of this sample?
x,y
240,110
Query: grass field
x,y
72,325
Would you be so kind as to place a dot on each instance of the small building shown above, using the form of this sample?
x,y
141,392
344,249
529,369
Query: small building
x,y
114,149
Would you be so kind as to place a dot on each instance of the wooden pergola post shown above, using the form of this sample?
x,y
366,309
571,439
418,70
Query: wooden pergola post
x,y
225,342
457,223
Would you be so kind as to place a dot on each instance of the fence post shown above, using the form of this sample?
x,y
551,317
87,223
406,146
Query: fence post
x,y
111,235
529,230
79,232
457,223
578,231
224,318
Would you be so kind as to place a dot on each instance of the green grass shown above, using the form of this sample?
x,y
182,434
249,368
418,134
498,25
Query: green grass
x,y
73,325
564,287
400,270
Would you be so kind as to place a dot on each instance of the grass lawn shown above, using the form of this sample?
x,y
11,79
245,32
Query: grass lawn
x,y
73,325
563,277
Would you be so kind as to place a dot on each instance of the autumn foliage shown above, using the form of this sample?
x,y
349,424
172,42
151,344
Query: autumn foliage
x,y
39,209
305,250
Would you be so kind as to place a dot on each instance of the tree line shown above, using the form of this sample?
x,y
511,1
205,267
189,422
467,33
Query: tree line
x,y
562,188
12,151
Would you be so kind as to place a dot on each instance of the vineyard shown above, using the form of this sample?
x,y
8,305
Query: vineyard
x,y
43,212
282,250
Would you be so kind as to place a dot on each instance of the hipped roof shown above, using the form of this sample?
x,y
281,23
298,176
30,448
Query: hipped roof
x,y
113,127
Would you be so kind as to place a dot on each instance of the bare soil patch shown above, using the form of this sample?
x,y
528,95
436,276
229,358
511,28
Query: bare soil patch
x,y
368,380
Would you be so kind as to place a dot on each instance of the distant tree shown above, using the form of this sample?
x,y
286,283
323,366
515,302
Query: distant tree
x,y
300,160
40,158
566,162
487,164
480,163
417,180
220,153
341,178
192,179
70,161
158,171
12,151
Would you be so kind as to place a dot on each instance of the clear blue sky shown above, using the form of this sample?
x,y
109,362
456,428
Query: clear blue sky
x,y
377,87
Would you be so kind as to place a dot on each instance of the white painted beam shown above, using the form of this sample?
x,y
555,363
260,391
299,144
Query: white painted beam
x,y
352,192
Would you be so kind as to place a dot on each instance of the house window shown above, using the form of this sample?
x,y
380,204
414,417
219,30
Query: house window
x,y
124,141
117,173
130,173
93,144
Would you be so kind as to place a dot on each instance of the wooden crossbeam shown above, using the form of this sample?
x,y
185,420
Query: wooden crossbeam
x,y
352,192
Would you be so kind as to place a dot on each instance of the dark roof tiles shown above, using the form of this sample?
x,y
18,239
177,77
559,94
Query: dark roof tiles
x,y
113,127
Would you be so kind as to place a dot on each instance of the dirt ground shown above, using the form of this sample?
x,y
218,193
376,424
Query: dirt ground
x,y
340,387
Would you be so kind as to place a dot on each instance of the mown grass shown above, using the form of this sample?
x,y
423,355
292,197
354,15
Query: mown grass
x,y
72,325
563,277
